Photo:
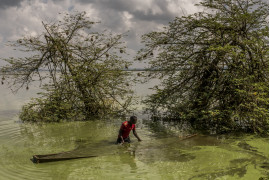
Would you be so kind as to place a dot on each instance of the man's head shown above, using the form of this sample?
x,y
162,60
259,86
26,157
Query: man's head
x,y
133,119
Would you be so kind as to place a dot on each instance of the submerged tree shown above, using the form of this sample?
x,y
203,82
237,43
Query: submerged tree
x,y
84,74
213,66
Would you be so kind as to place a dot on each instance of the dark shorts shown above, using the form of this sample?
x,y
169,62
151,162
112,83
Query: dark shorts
x,y
119,140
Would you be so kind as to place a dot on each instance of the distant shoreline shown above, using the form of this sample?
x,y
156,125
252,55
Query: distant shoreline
x,y
133,69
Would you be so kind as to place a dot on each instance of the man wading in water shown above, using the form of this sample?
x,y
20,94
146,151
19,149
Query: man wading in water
x,y
125,129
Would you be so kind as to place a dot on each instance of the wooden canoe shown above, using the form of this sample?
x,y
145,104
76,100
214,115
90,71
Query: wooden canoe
x,y
56,157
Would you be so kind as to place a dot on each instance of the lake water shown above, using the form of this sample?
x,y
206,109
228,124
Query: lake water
x,y
163,154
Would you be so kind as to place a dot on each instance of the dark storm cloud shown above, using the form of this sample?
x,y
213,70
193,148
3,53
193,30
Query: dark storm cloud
x,y
9,3
150,16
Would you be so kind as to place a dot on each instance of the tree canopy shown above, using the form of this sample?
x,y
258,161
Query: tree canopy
x,y
213,67
83,74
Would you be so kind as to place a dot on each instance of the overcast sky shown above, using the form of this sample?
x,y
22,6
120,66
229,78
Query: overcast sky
x,y
23,17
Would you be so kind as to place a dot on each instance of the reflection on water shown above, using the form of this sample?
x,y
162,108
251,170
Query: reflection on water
x,y
162,154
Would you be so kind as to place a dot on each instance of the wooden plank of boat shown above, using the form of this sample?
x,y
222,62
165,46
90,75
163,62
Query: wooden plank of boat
x,y
55,157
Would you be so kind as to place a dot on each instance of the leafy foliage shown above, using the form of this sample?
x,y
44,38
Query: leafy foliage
x,y
85,76
213,67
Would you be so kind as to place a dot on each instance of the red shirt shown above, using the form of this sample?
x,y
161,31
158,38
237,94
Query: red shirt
x,y
126,128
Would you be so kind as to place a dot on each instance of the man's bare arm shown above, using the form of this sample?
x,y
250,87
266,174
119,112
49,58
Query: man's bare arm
x,y
136,135
120,135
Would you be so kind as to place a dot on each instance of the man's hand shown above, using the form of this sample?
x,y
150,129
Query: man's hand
x,y
139,139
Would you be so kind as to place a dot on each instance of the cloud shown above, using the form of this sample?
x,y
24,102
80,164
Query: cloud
x,y
9,3
24,20
144,10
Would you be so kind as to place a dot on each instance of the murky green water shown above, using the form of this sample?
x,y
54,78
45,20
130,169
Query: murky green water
x,y
159,156
156,157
